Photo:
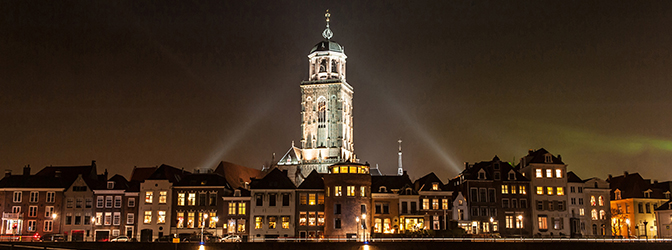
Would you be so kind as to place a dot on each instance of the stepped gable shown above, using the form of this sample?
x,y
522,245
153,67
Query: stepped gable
x,y
313,181
237,175
275,179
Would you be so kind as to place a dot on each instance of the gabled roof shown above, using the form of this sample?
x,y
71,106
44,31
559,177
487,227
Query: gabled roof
x,y
425,182
375,172
664,206
32,181
390,182
275,179
539,156
632,186
237,175
68,174
313,181
166,172
490,167
204,180
572,177
120,183
292,157
142,173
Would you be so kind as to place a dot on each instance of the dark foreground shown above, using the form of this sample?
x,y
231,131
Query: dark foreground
x,y
423,245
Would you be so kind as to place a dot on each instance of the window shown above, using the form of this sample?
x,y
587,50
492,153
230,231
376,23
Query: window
x,y
32,225
593,214
212,201
519,221
89,202
444,204
337,208
303,198
117,218
232,207
572,201
241,208
131,202
50,197
272,200
509,221
320,219
548,159
258,222
302,218
163,197
213,221
600,200
320,198
312,219
149,197
160,217
87,219
523,203
505,189
648,208
285,200
190,219
130,219
561,206
425,204
69,202
435,186
117,201
321,112
540,190
435,204
99,218
521,189
549,190
592,201
581,212
351,191
549,173
32,211
540,205
108,201
180,199
513,189
48,225
48,211
558,173
108,219
572,189
482,197
580,201
538,173
180,219
580,189
271,222
110,185
337,191
34,196
603,215
191,199
201,200
362,191
491,195
543,222
68,219
337,223
148,217
560,191
311,199
260,200
17,196
505,203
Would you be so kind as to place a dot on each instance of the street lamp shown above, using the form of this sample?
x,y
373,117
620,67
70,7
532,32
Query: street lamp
x,y
520,218
363,225
491,226
359,225
205,217
627,221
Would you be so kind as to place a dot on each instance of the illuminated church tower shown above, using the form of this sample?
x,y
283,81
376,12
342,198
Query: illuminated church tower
x,y
326,113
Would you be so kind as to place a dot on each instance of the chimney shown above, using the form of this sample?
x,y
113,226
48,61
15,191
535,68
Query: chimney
x,y
609,177
93,163
57,173
530,151
625,173
8,172
466,165
105,173
26,170
198,171
655,181
559,157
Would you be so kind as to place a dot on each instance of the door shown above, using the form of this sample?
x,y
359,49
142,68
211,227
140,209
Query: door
x,y
77,235
103,235
146,235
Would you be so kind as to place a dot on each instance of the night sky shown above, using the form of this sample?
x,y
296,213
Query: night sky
x,y
191,83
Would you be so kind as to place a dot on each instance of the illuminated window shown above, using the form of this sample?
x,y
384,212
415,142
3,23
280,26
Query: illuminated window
x,y
180,199
190,220
581,212
600,200
191,200
593,214
302,198
334,170
425,204
444,204
344,170
160,217
549,173
312,219
213,220
351,190
272,222
549,190
320,219
311,199
558,173
99,218
435,186
180,219
513,189
285,222
241,208
148,217
117,218
149,196
509,221
320,199
592,200
540,190
337,191
322,113
232,208
519,222
560,191
505,189
362,191
163,197
303,218
258,221
543,222
435,203
521,190
538,171
353,170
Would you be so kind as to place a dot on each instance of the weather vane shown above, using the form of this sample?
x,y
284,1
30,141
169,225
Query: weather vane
x,y
327,34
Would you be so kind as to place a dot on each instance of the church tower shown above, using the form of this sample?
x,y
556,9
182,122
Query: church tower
x,y
326,112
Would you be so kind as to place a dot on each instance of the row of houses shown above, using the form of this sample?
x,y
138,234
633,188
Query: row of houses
x,y
538,197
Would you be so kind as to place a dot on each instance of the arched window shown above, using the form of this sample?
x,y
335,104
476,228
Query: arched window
x,y
594,229
323,66
334,67
604,229
603,215
593,214
600,201
321,112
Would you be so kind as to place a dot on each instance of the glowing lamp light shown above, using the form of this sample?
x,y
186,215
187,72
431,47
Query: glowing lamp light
x,y
53,216
201,247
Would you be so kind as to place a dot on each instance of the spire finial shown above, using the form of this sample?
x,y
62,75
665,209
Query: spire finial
x,y
400,170
327,34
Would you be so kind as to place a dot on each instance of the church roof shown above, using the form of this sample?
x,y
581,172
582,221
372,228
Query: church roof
x,y
313,181
292,157
327,46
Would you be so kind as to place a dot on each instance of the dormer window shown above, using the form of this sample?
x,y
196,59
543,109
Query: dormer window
x,y
496,166
667,195
512,176
481,175
382,189
110,185
236,193
435,186
617,194
647,193
548,159
409,191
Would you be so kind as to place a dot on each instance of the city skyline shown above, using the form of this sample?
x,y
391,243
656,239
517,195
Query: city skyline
x,y
191,84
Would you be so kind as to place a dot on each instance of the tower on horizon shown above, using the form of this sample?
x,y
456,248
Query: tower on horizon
x,y
326,113
400,171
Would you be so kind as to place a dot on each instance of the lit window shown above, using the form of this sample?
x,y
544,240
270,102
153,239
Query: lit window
x,y
351,190
232,207
302,218
191,200
285,222
513,189
362,191
163,197
581,212
549,190
148,217
540,190
320,219
543,222
592,200
521,190
425,204
302,198
334,170
311,199
180,219
538,170
560,191
190,219
435,186
444,204
160,217
258,221
593,214
180,199
337,191
149,197
600,201
435,203
272,222
505,189
549,173
311,219
603,215
558,173
213,220
241,208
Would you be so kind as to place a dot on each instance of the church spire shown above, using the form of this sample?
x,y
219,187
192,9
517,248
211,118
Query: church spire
x,y
327,34
400,171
